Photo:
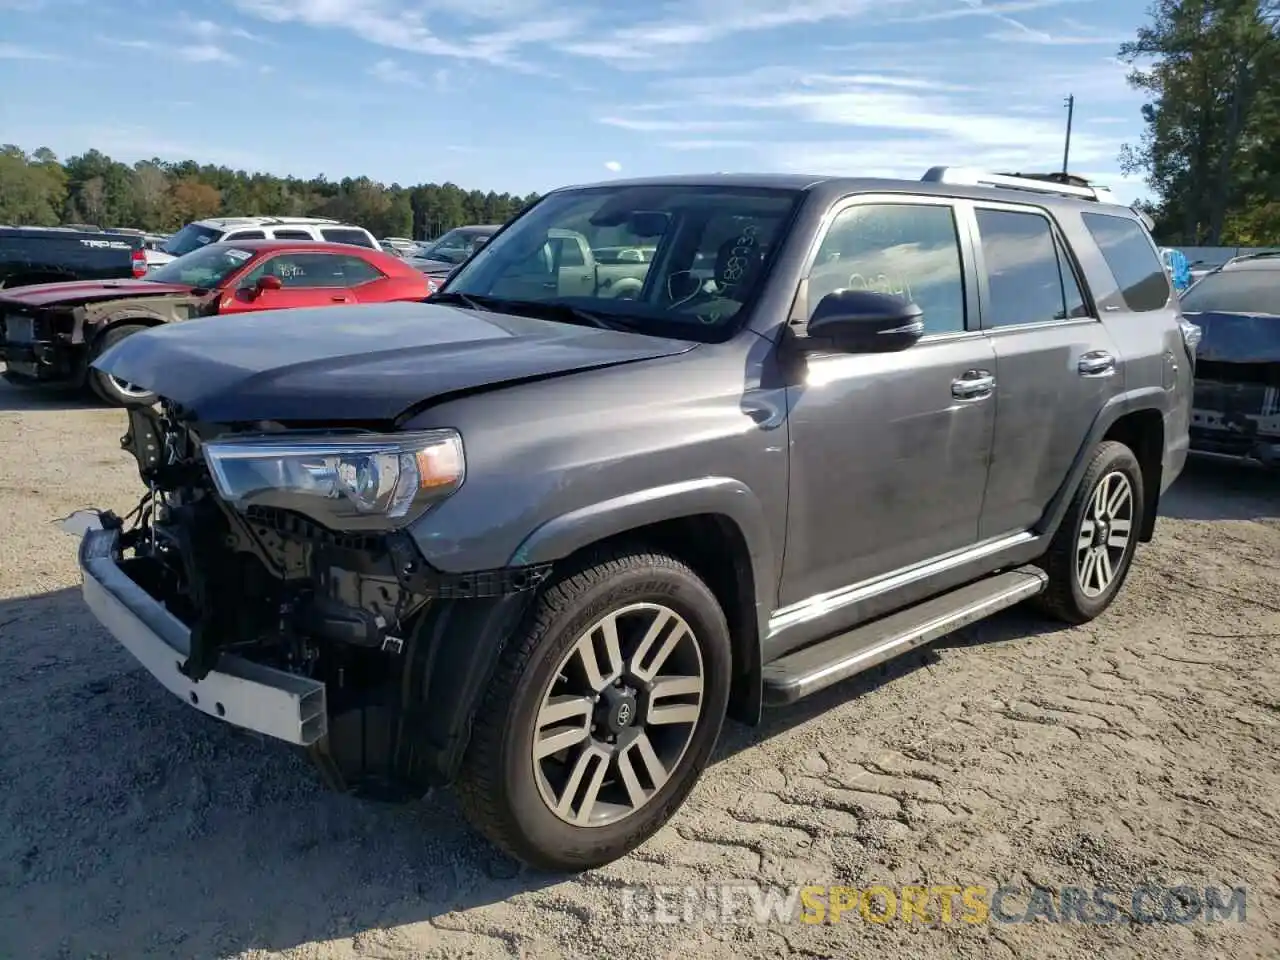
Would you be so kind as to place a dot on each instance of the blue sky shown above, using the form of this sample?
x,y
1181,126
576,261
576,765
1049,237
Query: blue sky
x,y
526,95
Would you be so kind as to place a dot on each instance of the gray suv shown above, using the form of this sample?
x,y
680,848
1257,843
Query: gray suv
x,y
538,541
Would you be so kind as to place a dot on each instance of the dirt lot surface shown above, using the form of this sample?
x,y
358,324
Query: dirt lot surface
x,y
1143,748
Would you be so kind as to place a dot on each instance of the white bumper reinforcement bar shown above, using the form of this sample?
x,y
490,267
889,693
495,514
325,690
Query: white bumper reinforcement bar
x,y
272,702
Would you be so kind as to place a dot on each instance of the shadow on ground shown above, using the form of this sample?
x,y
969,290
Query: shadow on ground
x,y
1223,490
133,826
16,398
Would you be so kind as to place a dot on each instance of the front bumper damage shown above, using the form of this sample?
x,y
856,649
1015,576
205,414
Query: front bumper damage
x,y
272,702
1236,413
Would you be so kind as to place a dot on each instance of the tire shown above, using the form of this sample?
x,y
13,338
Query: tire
x,y
109,389
508,795
1078,591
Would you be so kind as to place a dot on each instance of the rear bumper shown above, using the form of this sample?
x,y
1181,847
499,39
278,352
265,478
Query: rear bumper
x,y
271,702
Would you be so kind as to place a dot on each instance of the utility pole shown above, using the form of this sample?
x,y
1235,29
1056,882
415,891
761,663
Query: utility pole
x,y
1066,150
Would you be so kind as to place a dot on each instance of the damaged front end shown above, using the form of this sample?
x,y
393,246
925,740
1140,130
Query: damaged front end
x,y
277,563
54,342
1236,407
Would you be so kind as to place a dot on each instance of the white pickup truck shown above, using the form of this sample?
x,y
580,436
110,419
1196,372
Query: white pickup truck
x,y
568,264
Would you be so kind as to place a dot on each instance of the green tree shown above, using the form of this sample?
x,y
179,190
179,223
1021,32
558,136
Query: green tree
x,y
162,194
1211,147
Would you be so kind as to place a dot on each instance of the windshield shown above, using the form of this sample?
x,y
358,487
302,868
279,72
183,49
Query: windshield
x,y
1235,291
454,247
207,267
191,237
671,260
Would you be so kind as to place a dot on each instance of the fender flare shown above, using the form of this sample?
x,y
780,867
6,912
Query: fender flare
x,y
719,496
563,535
1134,401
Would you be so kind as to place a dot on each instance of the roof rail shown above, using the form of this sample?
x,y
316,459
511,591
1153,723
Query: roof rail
x,y
1034,183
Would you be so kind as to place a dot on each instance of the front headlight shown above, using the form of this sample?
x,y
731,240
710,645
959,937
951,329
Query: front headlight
x,y
356,482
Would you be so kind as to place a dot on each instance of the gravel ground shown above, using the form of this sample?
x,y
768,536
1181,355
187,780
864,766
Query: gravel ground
x,y
1141,748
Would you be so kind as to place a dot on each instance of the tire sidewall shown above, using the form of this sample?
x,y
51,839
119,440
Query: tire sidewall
x,y
1121,460
688,597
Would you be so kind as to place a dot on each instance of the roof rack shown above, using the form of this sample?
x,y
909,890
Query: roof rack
x,y
1059,184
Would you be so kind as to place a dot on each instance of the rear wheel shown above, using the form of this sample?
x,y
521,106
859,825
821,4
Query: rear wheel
x,y
1093,549
113,390
602,715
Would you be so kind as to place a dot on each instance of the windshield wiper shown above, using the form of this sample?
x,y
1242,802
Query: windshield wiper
x,y
558,310
461,300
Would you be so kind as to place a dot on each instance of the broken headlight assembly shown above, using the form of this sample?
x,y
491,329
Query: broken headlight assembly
x,y
349,482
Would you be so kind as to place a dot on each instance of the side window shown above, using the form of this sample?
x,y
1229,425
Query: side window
x,y
346,235
1024,273
292,235
245,235
356,271
570,253
1144,284
909,249
299,270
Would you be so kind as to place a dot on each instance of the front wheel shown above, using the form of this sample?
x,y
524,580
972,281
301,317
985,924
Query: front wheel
x,y
1092,551
602,714
113,390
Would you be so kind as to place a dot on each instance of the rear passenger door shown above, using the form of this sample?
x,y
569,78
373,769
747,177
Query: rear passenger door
x,y
889,451
1055,363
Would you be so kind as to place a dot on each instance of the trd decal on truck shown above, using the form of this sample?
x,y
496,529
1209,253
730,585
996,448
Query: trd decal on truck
x,y
106,244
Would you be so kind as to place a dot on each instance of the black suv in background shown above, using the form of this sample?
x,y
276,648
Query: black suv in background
x,y
1236,410
539,541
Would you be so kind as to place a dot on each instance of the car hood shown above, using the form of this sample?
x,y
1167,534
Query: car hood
x,y
86,291
1237,337
431,267
360,363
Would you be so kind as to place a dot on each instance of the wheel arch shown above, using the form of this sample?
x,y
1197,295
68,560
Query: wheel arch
x,y
717,526
447,671
1136,419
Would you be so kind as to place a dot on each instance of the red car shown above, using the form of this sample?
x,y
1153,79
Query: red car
x,y
53,331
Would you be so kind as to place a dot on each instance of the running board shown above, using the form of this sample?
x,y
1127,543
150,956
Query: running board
x,y
814,668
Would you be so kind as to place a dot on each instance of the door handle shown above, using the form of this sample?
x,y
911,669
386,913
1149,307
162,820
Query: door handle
x,y
1096,363
340,299
973,385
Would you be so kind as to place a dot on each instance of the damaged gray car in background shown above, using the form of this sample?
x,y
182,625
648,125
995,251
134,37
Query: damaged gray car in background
x,y
1237,387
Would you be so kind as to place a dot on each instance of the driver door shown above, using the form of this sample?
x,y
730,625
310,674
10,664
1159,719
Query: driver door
x,y
889,451
307,280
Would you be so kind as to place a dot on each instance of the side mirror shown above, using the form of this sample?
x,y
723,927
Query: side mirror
x,y
266,282
862,321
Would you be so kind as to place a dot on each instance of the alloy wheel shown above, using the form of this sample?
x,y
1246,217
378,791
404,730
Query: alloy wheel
x,y
618,716
130,390
1106,528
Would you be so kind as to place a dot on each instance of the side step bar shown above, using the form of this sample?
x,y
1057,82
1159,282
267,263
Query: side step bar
x,y
814,668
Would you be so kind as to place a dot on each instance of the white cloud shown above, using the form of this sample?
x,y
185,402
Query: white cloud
x,y
12,51
191,52
388,71
387,24
205,53
642,125
211,32
696,22
613,166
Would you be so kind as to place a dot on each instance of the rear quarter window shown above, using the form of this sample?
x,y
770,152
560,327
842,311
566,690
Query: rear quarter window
x,y
1124,244
340,235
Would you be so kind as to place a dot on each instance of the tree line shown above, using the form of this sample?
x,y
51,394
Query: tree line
x,y
38,189
1210,148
